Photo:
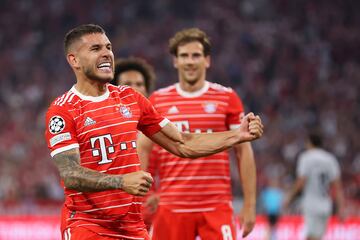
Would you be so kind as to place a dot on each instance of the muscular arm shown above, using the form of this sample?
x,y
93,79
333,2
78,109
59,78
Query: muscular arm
x,y
247,172
82,179
194,145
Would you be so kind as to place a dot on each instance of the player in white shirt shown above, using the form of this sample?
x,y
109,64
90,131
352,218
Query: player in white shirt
x,y
317,172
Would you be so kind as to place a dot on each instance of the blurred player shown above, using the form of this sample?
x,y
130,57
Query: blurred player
x,y
92,131
136,73
140,75
271,201
317,171
195,194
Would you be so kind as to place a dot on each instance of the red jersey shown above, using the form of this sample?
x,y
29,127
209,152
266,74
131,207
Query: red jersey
x,y
196,184
105,130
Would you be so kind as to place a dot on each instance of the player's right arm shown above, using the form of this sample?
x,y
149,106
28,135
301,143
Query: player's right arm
x,y
82,179
61,137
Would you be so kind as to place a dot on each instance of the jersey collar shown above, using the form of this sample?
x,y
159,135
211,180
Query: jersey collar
x,y
197,93
91,98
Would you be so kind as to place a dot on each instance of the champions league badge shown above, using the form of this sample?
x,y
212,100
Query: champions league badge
x,y
56,124
210,107
125,111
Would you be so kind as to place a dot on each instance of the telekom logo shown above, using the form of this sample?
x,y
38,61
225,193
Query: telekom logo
x,y
103,150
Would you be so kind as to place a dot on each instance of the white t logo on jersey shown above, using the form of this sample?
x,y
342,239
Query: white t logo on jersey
x,y
184,126
104,150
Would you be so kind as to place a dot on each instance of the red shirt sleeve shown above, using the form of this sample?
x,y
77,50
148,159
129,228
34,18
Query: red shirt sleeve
x,y
235,111
150,121
60,133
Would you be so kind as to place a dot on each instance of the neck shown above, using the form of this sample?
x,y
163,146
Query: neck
x,y
90,87
191,87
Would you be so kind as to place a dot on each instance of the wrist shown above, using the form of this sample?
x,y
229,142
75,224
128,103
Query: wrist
x,y
120,182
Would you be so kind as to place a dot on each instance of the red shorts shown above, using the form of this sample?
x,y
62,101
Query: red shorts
x,y
80,233
209,225
79,226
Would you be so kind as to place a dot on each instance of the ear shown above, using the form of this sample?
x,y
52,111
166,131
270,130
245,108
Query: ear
x,y
72,60
175,62
207,61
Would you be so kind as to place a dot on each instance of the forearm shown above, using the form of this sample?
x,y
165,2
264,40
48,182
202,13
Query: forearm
x,y
298,186
86,180
247,166
82,179
199,145
339,195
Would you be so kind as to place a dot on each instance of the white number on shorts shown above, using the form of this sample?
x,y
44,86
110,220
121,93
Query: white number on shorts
x,y
226,232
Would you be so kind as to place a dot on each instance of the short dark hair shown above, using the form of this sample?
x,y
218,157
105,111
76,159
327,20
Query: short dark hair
x,y
189,35
76,33
135,64
315,138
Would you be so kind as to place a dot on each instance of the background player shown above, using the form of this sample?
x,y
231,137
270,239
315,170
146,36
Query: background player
x,y
136,73
195,195
317,171
92,132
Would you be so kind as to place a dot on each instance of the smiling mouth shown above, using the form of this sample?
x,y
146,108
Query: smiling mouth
x,y
106,66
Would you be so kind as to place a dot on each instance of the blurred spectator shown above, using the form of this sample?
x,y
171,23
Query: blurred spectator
x,y
294,62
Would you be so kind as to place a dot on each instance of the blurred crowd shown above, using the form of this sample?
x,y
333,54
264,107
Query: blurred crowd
x,y
296,63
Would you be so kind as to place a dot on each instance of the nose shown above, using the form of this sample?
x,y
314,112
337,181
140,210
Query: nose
x,y
107,53
189,60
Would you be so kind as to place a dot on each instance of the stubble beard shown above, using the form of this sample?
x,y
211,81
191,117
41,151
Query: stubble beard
x,y
90,74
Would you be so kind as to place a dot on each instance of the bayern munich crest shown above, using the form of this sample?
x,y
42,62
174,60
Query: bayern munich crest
x,y
125,111
56,124
210,107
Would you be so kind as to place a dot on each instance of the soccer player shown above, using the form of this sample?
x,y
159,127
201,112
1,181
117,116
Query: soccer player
x,y
317,171
136,73
91,133
194,196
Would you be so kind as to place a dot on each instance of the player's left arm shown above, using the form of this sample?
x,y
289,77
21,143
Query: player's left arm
x,y
339,197
192,145
247,172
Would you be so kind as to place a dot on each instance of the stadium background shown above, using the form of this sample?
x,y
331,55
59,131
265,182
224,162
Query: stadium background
x,y
296,63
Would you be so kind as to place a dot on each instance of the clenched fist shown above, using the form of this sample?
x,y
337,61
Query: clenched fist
x,y
136,183
251,128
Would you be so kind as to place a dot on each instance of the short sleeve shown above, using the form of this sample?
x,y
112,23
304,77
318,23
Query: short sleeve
x,y
60,133
150,120
301,169
235,111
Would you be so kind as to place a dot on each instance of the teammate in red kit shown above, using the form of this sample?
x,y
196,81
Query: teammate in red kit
x,y
91,133
194,196
138,74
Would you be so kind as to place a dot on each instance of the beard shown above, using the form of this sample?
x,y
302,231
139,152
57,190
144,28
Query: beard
x,y
90,73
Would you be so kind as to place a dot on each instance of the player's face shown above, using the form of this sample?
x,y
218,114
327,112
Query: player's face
x,y
133,79
191,62
95,58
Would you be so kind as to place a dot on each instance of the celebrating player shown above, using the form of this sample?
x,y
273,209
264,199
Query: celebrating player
x,y
91,133
195,194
